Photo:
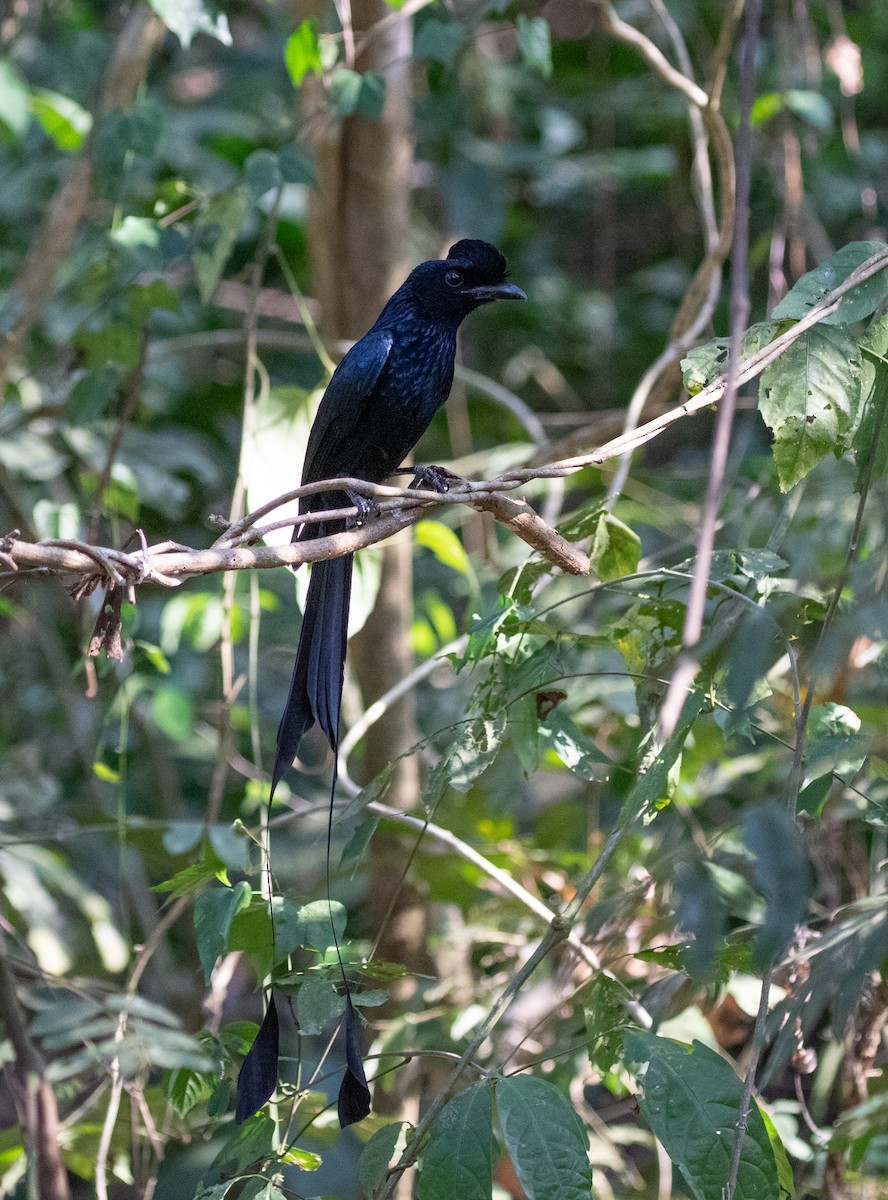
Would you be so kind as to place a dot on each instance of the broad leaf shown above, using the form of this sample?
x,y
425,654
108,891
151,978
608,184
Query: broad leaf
x,y
691,1100
871,436
615,550
655,782
214,910
439,40
781,873
855,305
376,1156
605,1013
810,399
318,1004
458,1160
545,1139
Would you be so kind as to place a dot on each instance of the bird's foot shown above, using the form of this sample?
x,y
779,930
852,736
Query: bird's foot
x,y
366,508
433,479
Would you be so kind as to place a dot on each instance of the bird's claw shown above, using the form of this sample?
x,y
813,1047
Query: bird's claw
x,y
433,479
366,508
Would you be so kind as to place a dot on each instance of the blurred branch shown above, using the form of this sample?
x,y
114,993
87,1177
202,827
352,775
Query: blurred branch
x,y
141,35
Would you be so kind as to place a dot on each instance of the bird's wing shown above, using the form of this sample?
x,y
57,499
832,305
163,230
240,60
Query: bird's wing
x,y
342,409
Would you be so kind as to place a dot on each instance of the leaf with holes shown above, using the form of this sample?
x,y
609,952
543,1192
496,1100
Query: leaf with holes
x,y
810,400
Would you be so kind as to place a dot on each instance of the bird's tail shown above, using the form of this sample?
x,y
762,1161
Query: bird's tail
x,y
316,686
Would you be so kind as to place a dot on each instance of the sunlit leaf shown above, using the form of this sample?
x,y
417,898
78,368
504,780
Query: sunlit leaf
x,y
302,51
187,18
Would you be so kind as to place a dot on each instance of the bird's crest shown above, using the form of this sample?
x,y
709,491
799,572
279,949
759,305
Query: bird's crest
x,y
478,256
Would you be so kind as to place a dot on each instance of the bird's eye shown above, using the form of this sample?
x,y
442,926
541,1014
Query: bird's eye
x,y
453,279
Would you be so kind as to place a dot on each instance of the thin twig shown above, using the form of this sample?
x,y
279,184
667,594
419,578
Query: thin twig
x,y
688,664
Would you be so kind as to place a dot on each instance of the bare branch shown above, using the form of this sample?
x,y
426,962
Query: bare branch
x,y
402,507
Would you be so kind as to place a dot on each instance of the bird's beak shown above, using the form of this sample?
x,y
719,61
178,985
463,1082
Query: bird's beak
x,y
496,291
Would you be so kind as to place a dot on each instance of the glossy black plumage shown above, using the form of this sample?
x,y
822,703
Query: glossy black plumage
x,y
376,407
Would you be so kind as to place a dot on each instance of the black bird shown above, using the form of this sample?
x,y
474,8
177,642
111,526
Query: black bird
x,y
377,405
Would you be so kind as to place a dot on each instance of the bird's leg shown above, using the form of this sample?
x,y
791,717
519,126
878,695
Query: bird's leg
x,y
432,479
366,508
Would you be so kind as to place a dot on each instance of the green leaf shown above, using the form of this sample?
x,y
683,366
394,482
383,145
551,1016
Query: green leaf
x,y
214,910
62,119
251,933
871,436
444,544
187,1088
835,742
116,343
577,751
700,913
351,92
15,107
616,549
545,1139
173,712
535,43
302,52
317,921
781,874
812,107
605,1013
296,164
376,1156
810,399
186,18
785,1177
262,172
318,1004
439,40
216,231
193,877
474,750
703,364
246,1144
458,1161
305,1160
860,302
656,782
691,1100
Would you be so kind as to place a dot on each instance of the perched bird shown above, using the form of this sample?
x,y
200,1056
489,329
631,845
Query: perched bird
x,y
376,407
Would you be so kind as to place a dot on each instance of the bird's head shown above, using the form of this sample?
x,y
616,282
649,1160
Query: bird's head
x,y
472,274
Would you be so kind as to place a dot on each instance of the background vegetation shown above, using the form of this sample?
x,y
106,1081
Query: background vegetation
x,y
200,206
